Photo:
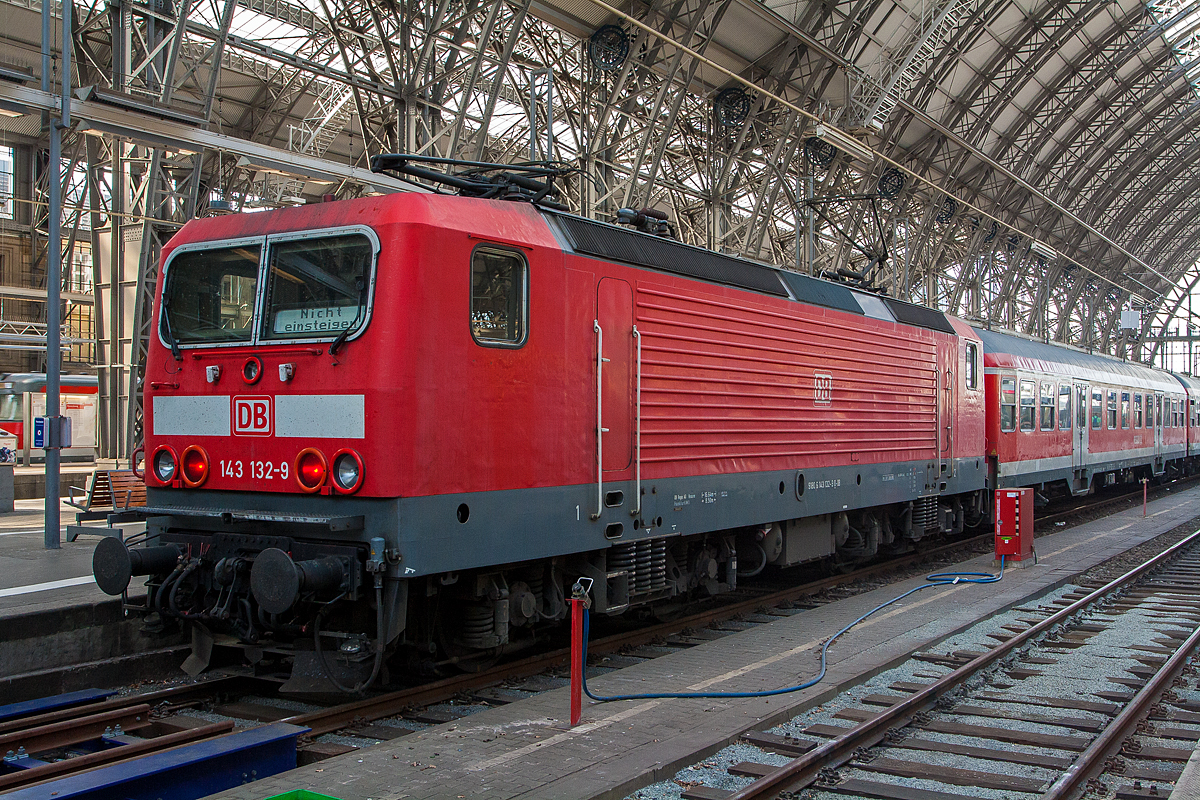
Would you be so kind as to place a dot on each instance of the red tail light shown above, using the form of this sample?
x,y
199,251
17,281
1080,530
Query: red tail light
x,y
194,466
311,469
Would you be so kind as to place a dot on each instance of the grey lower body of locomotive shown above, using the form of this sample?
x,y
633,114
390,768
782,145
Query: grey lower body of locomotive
x,y
796,515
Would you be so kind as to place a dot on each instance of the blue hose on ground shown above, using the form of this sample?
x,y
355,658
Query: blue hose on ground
x,y
934,579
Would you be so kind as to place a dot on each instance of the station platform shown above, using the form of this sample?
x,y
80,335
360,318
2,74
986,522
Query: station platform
x,y
33,578
527,749
30,482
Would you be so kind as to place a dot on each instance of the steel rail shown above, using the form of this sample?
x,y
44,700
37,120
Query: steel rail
x,y
803,771
73,731
1091,761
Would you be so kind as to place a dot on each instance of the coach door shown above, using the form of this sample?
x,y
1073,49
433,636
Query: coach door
x,y
1158,432
1081,429
617,349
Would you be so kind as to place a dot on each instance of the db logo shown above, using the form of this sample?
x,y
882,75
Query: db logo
x,y
252,416
822,389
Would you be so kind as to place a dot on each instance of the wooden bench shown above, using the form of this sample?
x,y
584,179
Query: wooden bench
x,y
113,495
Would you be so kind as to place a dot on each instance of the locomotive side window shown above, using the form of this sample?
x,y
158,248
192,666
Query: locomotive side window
x,y
1008,404
499,297
1046,407
1124,409
1027,409
1137,411
1064,407
1097,409
209,295
971,375
317,287
1112,410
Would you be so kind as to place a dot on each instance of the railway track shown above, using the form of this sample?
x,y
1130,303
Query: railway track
x,y
149,722
1111,708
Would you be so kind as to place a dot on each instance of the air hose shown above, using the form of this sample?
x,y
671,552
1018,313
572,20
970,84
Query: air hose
x,y
380,642
932,580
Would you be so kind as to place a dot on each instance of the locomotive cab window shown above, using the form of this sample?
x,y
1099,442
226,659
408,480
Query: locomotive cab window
x,y
1046,407
209,295
499,297
1008,404
317,287
1027,408
1064,407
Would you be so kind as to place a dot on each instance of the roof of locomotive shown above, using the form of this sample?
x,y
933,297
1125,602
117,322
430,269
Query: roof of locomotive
x,y
529,224
1006,350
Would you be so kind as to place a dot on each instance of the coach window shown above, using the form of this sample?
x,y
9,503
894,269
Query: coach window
x,y
1097,409
1027,408
1112,410
972,364
499,297
1124,409
1175,421
1046,407
1064,407
1008,404
1137,411
1158,410
317,286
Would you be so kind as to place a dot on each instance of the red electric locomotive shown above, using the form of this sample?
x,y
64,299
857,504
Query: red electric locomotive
x,y
1059,417
412,421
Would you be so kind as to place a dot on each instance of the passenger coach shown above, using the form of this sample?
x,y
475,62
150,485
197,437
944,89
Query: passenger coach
x,y
1060,417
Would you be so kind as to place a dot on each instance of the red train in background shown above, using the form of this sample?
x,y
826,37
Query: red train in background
x,y
407,424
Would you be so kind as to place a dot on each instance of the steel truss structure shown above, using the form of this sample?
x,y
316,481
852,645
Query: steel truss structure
x,y
1032,166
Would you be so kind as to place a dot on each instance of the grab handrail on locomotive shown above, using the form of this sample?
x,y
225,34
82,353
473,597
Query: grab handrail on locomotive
x,y
395,429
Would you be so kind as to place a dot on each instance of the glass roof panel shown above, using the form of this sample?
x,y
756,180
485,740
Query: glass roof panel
x,y
1181,30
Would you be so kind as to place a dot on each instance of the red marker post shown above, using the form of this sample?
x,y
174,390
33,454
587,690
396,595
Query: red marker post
x,y
579,602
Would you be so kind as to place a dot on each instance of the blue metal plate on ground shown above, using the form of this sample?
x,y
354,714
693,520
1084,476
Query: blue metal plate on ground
x,y
45,704
185,773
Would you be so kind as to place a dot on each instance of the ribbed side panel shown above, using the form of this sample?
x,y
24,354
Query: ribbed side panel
x,y
769,390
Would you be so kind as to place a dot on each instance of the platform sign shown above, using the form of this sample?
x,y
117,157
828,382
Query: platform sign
x,y
41,426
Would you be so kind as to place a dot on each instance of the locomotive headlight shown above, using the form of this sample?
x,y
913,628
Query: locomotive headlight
x,y
194,466
165,464
311,469
347,471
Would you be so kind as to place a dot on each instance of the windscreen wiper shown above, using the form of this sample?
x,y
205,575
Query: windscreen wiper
x,y
166,327
346,331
